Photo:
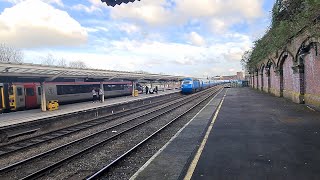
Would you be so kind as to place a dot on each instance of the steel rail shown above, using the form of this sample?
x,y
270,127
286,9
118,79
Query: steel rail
x,y
50,168
12,166
10,148
105,168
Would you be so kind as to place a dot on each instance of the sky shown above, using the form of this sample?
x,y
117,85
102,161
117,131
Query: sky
x,y
197,38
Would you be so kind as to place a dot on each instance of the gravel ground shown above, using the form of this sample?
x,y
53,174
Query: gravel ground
x,y
18,156
81,167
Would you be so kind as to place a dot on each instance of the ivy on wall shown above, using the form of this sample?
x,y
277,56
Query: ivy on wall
x,y
289,17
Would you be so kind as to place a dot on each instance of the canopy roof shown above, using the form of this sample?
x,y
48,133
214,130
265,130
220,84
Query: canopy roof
x,y
23,72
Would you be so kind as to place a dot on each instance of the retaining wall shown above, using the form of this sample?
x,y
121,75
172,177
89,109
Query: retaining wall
x,y
293,72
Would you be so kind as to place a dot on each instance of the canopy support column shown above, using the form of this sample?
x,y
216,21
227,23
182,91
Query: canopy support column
x,y
133,87
43,97
102,88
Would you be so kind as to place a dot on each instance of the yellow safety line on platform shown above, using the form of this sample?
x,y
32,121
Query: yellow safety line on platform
x,y
195,160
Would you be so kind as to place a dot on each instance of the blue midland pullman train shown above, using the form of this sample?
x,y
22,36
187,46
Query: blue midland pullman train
x,y
191,85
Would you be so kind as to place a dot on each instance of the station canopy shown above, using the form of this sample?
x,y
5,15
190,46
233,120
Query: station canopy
x,y
116,2
23,72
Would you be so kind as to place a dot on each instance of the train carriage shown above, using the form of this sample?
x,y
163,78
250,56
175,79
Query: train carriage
x,y
17,96
190,85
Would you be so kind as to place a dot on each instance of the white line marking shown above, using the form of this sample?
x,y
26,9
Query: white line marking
x,y
195,160
176,135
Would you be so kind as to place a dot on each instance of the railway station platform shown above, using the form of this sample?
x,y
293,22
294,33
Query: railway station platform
x,y
249,135
12,118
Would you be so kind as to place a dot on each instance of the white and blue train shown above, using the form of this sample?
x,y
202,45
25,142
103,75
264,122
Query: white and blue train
x,y
191,85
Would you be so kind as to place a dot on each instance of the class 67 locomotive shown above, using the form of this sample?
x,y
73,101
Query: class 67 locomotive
x,y
191,85
19,96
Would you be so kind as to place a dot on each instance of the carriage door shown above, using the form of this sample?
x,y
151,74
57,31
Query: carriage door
x,y
31,96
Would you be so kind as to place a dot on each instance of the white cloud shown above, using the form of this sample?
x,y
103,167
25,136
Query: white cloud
x,y
220,8
129,28
152,12
217,25
196,39
218,13
167,57
97,3
58,2
33,23
87,9
145,35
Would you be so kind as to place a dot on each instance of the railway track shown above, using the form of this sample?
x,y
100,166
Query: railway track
x,y
114,162
43,163
8,149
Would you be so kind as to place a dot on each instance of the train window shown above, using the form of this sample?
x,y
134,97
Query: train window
x,y
117,87
107,87
39,91
19,91
75,89
29,91
186,82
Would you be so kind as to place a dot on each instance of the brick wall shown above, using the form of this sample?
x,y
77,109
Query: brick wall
x,y
312,78
275,82
265,81
294,71
291,85
259,81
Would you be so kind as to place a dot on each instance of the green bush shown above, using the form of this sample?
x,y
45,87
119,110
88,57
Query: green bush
x,y
289,17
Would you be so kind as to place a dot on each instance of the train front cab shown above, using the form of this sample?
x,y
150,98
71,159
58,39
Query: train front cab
x,y
187,86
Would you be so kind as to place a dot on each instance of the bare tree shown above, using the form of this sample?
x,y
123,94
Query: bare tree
x,y
49,60
10,54
62,62
245,60
78,64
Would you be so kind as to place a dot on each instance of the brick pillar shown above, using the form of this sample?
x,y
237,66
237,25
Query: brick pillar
x,y
257,74
261,74
269,79
301,81
252,80
281,82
